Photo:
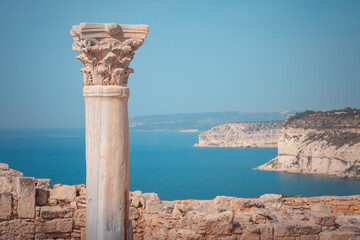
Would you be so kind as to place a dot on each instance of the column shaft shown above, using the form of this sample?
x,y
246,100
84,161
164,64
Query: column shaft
x,y
107,162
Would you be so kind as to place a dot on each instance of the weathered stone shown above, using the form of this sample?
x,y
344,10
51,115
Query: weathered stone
x,y
41,197
57,185
52,202
4,167
64,193
223,202
176,213
8,184
43,183
79,187
250,236
217,224
52,212
152,203
10,173
310,237
266,231
206,207
295,229
17,229
271,200
80,218
339,236
26,197
168,209
321,208
73,205
183,234
242,204
350,228
76,234
240,220
322,219
83,233
134,213
6,203
137,201
58,226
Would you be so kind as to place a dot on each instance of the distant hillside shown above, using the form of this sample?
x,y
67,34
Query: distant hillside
x,y
201,121
249,134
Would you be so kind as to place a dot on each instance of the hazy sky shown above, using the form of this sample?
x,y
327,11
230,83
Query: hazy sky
x,y
199,56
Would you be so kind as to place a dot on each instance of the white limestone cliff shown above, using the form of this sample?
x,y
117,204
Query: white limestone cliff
x,y
247,134
319,143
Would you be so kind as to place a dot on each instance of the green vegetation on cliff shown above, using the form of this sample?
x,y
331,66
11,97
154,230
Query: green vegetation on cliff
x,y
337,127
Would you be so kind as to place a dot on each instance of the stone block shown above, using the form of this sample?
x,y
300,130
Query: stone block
x,y
321,208
59,226
6,203
64,193
83,233
250,236
310,237
80,218
218,224
43,183
223,202
271,200
52,212
152,203
73,205
41,197
17,229
4,167
57,185
322,219
26,197
10,173
295,229
243,205
339,236
134,213
52,202
76,234
8,184
137,201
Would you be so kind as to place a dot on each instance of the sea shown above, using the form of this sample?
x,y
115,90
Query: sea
x,y
165,163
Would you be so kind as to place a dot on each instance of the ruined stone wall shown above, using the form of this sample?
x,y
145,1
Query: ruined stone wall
x,y
30,209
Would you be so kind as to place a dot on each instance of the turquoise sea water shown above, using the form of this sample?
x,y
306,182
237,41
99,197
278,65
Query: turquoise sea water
x,y
165,163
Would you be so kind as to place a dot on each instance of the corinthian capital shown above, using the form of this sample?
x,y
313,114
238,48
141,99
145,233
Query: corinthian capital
x,y
106,50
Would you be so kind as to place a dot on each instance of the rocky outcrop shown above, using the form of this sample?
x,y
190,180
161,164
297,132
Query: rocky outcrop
x,y
271,216
248,134
320,143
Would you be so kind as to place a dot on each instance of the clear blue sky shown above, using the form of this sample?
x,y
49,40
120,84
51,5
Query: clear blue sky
x,y
199,56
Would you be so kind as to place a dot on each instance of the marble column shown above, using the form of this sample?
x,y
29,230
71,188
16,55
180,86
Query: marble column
x,y
106,50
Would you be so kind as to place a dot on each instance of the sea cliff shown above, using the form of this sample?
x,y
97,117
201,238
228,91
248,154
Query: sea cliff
x,y
319,143
247,134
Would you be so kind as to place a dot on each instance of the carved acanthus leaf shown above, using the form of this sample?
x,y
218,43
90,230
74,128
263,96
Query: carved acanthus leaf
x,y
105,51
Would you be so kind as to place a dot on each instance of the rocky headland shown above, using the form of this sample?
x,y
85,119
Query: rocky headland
x,y
31,209
242,135
319,143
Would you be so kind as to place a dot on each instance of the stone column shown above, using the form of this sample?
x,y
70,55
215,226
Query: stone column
x,y
106,51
